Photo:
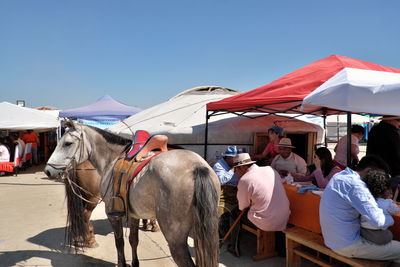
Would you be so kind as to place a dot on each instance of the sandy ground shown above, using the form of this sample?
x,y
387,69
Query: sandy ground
x,y
32,222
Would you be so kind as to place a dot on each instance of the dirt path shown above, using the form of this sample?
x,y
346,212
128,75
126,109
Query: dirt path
x,y
32,222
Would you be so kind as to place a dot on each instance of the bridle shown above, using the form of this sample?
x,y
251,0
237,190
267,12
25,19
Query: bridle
x,y
70,170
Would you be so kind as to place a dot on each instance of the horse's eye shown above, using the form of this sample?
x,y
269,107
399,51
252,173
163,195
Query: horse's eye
x,y
67,144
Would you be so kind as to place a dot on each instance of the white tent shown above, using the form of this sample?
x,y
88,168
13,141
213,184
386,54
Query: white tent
x,y
13,117
182,119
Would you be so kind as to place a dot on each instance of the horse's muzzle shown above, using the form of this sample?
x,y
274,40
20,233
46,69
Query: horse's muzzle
x,y
52,172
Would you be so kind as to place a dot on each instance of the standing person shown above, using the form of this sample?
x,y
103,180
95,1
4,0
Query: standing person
x,y
261,191
228,178
287,161
357,132
324,169
346,198
384,141
275,133
31,137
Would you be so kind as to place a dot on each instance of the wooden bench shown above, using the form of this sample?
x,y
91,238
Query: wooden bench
x,y
265,242
301,243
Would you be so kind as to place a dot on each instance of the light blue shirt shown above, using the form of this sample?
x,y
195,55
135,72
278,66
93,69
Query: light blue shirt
x,y
344,200
225,175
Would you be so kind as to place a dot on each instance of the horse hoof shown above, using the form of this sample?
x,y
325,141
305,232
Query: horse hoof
x,y
155,228
148,227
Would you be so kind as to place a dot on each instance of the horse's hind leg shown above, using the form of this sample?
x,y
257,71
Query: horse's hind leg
x,y
177,242
116,223
134,240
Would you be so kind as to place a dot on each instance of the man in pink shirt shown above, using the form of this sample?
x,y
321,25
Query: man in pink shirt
x,y
260,189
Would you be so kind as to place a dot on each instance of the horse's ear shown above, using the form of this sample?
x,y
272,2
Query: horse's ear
x,y
69,123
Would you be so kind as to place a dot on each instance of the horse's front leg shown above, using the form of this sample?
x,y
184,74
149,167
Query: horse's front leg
x,y
89,239
116,223
134,240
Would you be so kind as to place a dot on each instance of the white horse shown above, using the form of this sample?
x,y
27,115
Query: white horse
x,y
177,187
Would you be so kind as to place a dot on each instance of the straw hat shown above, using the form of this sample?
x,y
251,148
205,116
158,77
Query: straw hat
x,y
242,159
286,142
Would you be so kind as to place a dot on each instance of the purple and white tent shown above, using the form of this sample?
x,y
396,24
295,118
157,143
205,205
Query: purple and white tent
x,y
102,113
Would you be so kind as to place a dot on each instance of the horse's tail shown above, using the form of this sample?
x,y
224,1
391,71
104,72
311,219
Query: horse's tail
x,y
75,231
206,240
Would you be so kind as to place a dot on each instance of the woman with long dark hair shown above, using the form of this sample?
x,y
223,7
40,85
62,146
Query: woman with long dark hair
x,y
324,169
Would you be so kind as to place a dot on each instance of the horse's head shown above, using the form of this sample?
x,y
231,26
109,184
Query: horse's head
x,y
71,149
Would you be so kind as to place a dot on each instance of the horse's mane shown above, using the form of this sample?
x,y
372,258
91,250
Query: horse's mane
x,y
111,137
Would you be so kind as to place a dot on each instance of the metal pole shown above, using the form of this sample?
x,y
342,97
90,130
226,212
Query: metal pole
x,y
348,139
206,137
325,129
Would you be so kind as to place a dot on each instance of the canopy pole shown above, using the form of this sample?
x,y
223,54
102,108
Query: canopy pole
x,y
206,137
325,130
348,139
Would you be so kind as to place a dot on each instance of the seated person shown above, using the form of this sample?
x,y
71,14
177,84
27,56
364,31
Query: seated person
x,y
324,169
228,179
275,133
346,198
261,191
357,132
378,184
287,161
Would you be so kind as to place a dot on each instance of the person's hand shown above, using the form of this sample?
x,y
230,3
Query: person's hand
x,y
317,162
295,174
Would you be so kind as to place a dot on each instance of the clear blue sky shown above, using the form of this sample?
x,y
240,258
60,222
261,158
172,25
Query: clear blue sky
x,y
69,53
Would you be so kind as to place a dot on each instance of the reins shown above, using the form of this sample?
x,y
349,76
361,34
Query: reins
x,y
72,166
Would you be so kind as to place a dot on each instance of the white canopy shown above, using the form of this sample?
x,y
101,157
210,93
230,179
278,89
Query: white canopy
x,y
13,117
183,117
359,90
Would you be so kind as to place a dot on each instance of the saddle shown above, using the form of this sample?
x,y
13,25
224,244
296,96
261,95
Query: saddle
x,y
143,149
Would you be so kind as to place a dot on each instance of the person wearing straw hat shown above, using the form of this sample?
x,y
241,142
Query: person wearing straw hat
x,y
384,141
287,161
261,191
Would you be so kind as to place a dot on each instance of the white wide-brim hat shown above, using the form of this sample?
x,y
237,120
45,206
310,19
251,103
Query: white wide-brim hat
x,y
242,159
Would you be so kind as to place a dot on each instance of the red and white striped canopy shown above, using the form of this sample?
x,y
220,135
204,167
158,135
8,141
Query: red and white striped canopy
x,y
329,85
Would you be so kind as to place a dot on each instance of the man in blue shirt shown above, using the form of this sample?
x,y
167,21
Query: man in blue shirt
x,y
344,200
228,203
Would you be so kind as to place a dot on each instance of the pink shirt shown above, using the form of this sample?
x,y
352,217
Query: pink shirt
x,y
341,149
272,149
261,189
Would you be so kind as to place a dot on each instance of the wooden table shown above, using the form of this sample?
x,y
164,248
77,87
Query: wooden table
x,y
305,211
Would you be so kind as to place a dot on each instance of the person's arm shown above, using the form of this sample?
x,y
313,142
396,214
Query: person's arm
x,y
244,195
354,152
301,165
261,155
393,208
224,176
363,201
323,181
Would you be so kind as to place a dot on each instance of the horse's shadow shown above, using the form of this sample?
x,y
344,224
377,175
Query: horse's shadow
x,y
60,255
54,238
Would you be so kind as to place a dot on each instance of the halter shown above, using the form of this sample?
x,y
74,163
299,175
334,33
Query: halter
x,y
71,166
